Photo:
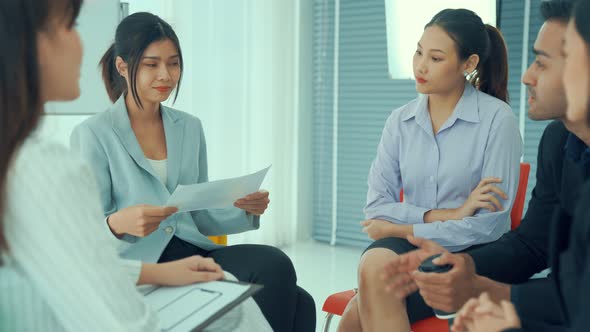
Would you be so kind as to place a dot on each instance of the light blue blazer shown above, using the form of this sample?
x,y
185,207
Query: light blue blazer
x,y
125,178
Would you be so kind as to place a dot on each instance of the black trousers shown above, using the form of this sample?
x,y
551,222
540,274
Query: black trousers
x,y
286,306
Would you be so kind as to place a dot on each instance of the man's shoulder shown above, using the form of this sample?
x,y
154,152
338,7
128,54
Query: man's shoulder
x,y
556,131
554,138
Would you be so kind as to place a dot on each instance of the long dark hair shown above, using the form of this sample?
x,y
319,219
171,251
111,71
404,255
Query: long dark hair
x,y
581,17
134,34
21,103
472,36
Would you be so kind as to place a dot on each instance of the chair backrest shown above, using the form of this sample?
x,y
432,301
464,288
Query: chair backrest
x,y
518,205
219,239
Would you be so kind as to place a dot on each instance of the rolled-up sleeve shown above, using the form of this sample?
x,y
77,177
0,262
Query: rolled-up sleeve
x,y
502,159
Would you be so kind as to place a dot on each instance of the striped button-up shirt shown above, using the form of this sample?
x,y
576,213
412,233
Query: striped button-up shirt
x,y
438,171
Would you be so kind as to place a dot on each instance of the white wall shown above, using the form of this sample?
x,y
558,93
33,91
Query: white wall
x,y
243,80
304,102
404,31
248,78
96,24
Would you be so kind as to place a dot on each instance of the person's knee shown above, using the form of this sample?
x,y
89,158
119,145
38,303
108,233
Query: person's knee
x,y
305,299
277,264
305,317
351,310
371,267
350,317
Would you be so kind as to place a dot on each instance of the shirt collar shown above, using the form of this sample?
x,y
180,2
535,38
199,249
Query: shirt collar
x,y
577,150
466,109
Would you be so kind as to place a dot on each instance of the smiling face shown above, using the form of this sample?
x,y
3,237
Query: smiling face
x,y
437,67
576,75
157,74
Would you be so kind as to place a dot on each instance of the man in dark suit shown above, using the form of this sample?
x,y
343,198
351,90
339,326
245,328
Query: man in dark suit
x,y
503,268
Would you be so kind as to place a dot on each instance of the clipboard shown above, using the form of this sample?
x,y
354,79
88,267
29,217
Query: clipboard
x,y
196,306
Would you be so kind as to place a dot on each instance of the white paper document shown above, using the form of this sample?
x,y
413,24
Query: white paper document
x,y
193,307
215,194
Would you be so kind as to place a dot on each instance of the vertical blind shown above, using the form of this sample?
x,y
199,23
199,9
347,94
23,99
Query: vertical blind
x,y
353,97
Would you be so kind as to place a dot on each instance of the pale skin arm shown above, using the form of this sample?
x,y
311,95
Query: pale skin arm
x,y
181,272
480,198
498,291
139,220
379,229
142,220
255,203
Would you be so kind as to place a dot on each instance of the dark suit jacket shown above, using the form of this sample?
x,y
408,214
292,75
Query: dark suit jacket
x,y
570,261
521,253
571,264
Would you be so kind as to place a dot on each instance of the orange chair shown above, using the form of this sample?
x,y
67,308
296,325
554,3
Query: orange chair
x,y
219,239
518,205
336,303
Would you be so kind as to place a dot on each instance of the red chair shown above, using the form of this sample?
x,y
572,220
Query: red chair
x,y
518,205
336,303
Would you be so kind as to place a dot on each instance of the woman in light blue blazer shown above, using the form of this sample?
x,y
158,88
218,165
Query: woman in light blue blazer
x,y
140,151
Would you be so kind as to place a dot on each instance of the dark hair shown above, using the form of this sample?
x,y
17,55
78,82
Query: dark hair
x,y
21,102
134,35
581,17
472,36
556,10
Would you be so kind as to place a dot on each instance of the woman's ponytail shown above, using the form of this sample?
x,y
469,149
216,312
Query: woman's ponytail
x,y
472,36
113,81
492,72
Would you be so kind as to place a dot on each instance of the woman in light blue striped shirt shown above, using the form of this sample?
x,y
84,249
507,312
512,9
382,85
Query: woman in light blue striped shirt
x,y
455,151
58,272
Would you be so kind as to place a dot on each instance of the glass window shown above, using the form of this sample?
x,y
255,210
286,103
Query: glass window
x,y
405,23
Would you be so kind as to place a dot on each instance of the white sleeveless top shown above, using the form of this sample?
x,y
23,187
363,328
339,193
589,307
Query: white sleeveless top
x,y
161,169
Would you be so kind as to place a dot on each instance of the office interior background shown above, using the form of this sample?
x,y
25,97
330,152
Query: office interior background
x,y
304,86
